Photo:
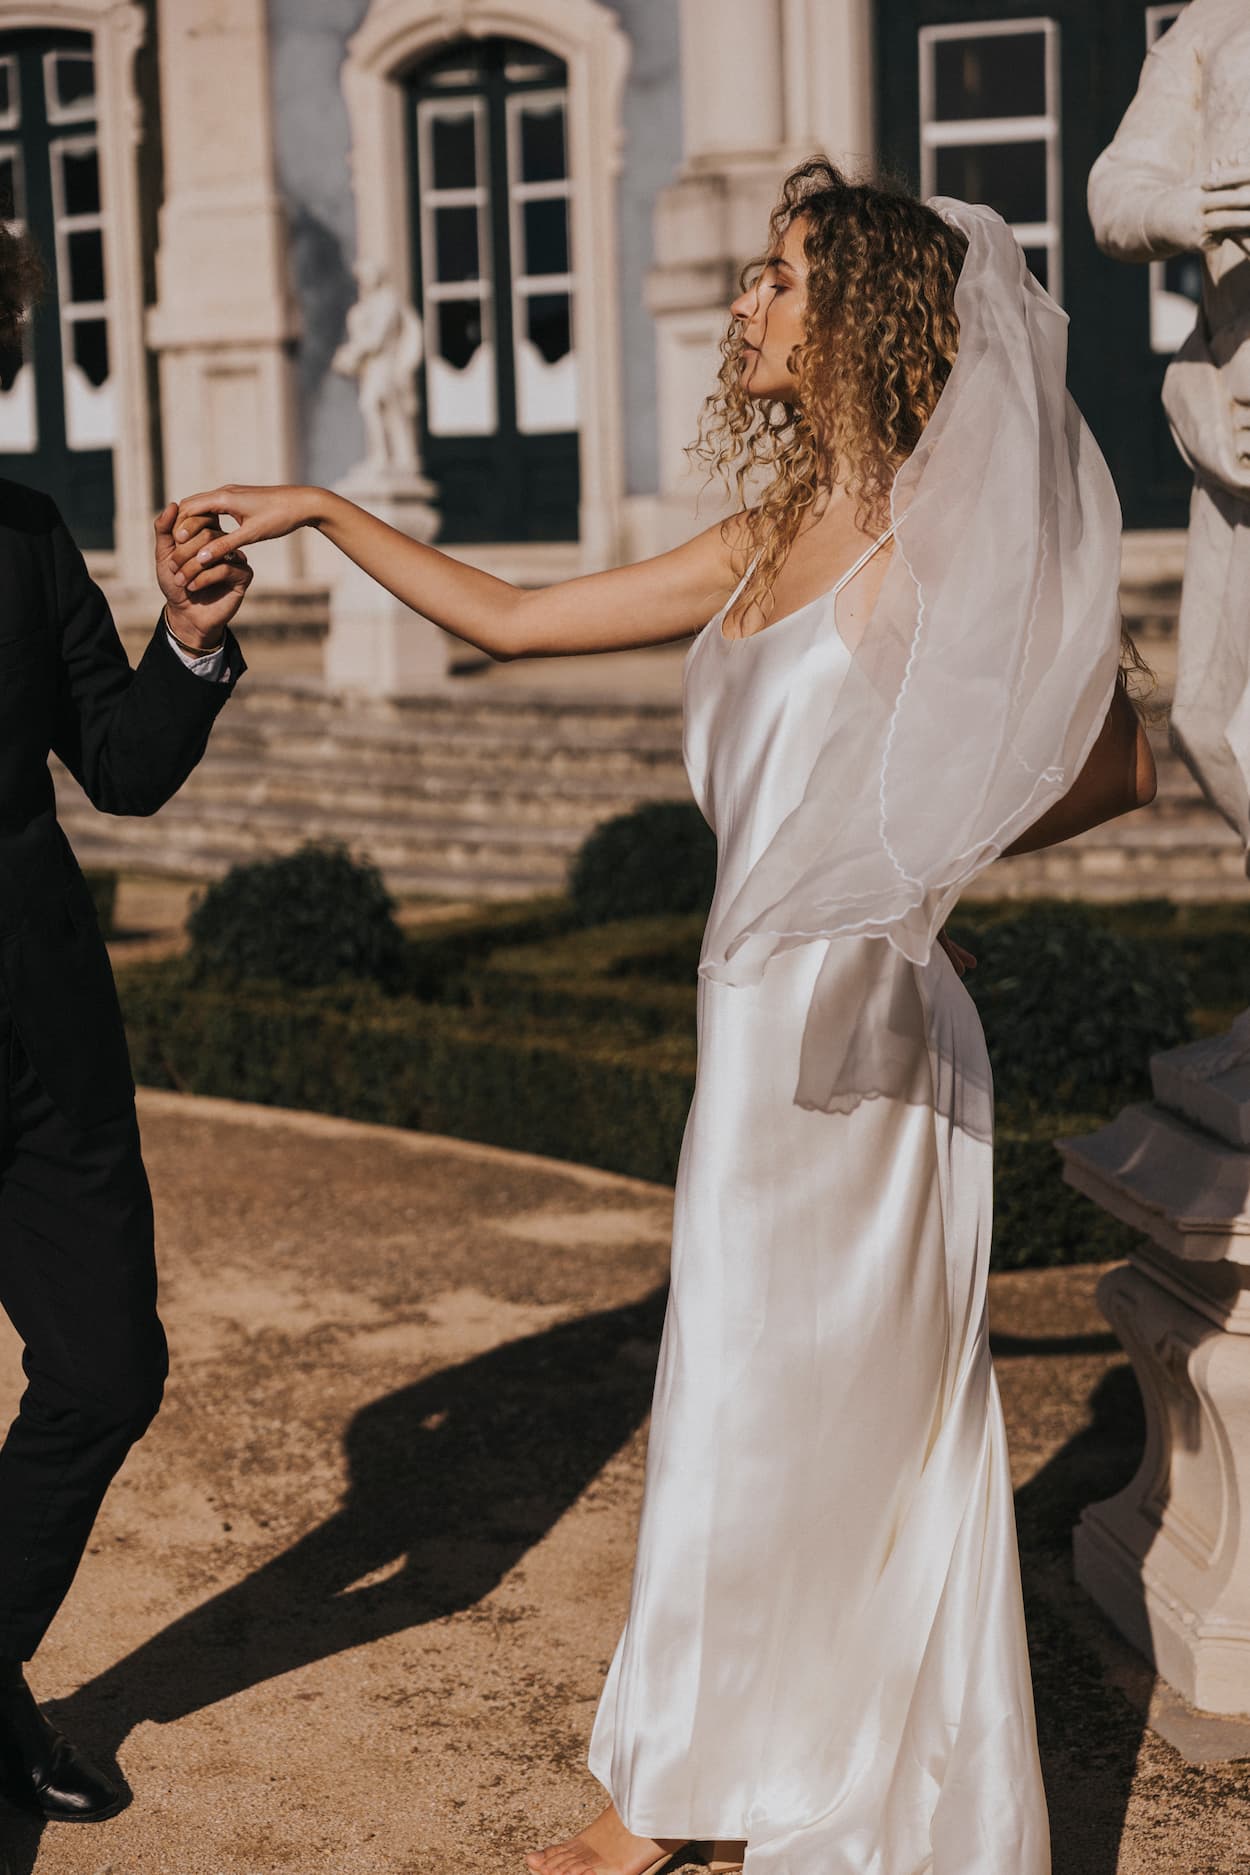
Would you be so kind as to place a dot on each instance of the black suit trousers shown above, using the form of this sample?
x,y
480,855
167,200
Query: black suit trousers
x,y
78,1281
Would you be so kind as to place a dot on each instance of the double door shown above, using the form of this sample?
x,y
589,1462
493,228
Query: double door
x,y
1010,104
58,415
494,280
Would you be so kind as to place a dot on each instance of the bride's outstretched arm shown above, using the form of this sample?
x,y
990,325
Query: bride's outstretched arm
x,y
1118,776
648,603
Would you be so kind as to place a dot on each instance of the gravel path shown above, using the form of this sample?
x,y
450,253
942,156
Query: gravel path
x,y
349,1606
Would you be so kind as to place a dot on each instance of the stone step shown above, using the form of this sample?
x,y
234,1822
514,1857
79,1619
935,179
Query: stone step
x,y
490,796
444,753
563,718
1193,876
534,793
205,838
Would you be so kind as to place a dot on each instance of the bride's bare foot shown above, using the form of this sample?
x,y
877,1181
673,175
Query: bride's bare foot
x,y
604,1847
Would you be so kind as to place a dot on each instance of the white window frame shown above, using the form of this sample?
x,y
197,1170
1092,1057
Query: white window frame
x,y
88,109
434,292
11,119
73,311
587,35
117,28
938,134
526,285
1162,342
11,146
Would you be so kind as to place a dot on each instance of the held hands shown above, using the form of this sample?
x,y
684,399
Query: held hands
x,y
261,513
198,619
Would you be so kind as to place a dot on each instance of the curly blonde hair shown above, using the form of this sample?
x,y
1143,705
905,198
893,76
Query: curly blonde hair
x,y
879,341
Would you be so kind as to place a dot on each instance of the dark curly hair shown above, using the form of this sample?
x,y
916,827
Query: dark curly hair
x,y
22,280
880,339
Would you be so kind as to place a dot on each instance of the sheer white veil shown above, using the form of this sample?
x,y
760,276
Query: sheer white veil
x,y
986,671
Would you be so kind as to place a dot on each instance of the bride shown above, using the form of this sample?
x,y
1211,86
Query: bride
x,y
904,663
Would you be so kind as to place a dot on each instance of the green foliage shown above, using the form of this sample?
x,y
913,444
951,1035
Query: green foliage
x,y
1072,1011
661,858
601,975
313,917
1040,1222
564,1090
522,1027
441,959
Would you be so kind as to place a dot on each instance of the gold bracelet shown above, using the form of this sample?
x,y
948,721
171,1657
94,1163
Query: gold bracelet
x,y
196,651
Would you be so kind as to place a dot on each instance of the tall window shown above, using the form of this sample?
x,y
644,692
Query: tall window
x,y
989,128
58,412
494,281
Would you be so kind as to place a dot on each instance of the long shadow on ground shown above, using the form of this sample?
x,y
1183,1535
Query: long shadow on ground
x,y
452,1480
1089,1735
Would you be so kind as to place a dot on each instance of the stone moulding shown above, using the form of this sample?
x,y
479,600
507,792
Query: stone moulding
x,y
1168,1557
588,37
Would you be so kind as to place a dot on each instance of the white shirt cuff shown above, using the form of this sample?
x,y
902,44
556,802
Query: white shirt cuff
x,y
211,665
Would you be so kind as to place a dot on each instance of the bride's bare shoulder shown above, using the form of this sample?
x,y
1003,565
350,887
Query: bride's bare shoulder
x,y
724,550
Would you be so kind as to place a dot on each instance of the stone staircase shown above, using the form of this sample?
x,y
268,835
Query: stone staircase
x,y
485,793
462,795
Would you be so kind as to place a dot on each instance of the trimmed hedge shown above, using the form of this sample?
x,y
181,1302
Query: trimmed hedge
x,y
520,1028
1073,1011
308,918
567,1091
605,975
659,858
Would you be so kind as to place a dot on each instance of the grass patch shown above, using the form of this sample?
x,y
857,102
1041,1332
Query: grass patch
x,y
522,1028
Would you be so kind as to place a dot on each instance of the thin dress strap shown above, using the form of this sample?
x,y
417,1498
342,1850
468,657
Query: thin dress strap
x,y
863,560
849,575
740,588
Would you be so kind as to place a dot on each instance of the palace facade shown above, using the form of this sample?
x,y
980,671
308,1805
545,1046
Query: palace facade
x,y
565,190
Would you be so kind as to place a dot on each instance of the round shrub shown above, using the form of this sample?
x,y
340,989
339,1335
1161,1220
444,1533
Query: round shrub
x,y
313,917
1072,1011
661,858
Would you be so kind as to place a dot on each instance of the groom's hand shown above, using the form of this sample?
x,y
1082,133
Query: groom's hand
x,y
198,619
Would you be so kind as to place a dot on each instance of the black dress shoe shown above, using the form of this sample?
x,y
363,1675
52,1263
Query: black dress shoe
x,y
41,1772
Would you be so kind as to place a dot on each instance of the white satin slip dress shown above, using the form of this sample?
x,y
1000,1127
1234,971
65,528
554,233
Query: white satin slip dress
x,y
825,1650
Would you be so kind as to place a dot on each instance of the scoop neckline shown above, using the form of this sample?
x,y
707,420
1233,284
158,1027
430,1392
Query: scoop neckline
x,y
830,593
745,638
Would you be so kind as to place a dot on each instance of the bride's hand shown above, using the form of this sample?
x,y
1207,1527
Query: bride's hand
x,y
262,513
963,960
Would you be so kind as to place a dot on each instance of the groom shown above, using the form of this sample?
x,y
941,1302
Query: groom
x,y
77,1274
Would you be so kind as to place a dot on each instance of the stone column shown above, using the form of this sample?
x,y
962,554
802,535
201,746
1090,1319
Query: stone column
x,y
225,323
377,645
1168,1557
119,32
764,83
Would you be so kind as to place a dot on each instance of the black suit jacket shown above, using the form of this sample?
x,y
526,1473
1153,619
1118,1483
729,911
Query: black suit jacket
x,y
130,737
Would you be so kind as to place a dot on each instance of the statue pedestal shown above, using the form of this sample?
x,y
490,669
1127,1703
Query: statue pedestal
x,y
376,644
1168,1557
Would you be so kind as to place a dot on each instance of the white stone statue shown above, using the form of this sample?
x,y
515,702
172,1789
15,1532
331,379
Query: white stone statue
x,y
1168,1557
376,643
1176,179
382,350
